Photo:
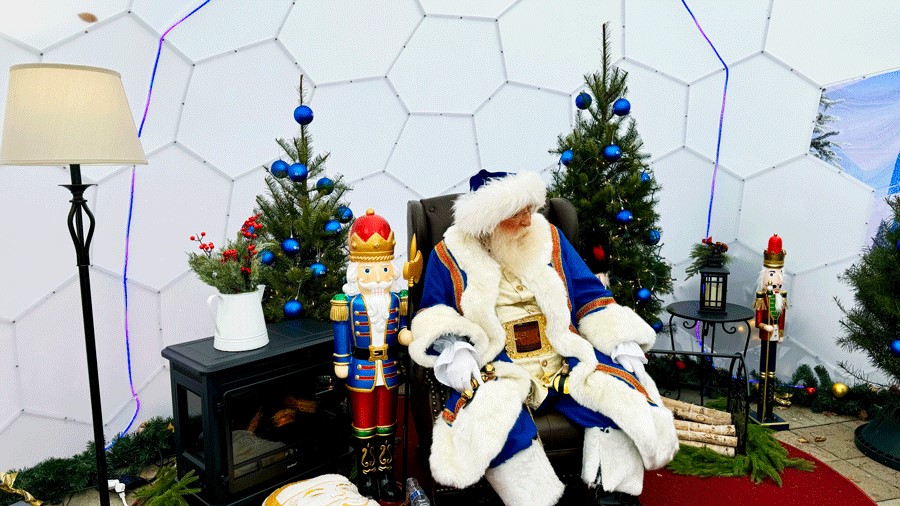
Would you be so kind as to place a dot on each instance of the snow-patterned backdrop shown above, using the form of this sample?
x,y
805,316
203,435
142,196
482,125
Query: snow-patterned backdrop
x,y
411,97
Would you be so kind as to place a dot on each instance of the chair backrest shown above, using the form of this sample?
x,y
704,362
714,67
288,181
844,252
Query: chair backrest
x,y
429,218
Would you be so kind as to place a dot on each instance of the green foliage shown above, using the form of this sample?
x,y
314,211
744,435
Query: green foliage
x,y
765,458
599,189
235,267
707,253
862,399
167,490
874,321
298,210
54,479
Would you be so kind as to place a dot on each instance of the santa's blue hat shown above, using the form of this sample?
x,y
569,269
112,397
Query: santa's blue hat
x,y
496,196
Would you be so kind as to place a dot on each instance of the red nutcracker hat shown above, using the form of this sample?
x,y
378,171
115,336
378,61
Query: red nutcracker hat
x,y
371,239
773,256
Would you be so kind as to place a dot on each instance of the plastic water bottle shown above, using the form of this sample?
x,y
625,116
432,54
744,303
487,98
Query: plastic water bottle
x,y
415,495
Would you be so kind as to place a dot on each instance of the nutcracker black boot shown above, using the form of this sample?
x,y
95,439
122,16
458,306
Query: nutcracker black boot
x,y
388,491
366,459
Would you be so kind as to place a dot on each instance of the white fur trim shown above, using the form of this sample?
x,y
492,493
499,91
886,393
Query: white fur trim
x,y
613,456
461,453
478,213
526,479
651,429
615,324
436,321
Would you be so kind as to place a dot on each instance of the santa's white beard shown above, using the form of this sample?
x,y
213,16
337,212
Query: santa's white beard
x,y
508,247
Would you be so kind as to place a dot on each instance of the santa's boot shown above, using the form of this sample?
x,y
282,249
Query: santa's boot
x,y
366,460
388,491
526,479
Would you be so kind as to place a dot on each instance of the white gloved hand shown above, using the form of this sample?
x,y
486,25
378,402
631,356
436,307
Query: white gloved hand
x,y
457,365
631,357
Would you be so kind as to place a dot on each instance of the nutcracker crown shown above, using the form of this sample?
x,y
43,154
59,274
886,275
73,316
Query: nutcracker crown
x,y
773,256
371,239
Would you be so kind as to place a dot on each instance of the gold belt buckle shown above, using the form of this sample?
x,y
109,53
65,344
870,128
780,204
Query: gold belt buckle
x,y
377,352
510,328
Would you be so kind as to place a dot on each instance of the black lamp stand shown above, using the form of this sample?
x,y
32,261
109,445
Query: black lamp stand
x,y
82,248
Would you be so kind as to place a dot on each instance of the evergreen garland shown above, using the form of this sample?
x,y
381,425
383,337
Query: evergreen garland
x,y
54,479
297,209
167,490
600,188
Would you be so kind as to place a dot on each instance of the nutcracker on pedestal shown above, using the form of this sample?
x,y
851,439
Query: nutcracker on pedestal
x,y
368,318
771,306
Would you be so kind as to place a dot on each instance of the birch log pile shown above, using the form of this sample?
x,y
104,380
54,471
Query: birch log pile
x,y
703,427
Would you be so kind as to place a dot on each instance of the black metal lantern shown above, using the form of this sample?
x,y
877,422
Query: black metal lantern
x,y
713,286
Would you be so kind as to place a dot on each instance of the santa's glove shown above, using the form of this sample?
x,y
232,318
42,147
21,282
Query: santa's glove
x,y
457,366
630,356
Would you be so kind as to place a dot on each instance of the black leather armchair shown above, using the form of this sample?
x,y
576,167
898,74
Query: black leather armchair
x,y
428,219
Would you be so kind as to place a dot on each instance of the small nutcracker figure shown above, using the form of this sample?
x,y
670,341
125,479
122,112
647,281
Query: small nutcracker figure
x,y
368,319
771,306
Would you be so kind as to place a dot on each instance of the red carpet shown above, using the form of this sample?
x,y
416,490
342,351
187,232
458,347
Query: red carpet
x,y
823,487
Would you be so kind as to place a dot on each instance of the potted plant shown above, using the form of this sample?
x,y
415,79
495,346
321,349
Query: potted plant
x,y
233,270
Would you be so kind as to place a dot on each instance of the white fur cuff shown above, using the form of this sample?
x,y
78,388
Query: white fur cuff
x,y
526,479
613,325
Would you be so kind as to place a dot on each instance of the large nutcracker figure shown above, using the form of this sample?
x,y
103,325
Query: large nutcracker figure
x,y
368,319
771,306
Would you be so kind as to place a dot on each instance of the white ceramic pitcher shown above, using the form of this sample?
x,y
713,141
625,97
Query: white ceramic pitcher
x,y
240,325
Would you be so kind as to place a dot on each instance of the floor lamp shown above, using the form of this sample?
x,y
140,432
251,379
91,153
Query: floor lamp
x,y
72,115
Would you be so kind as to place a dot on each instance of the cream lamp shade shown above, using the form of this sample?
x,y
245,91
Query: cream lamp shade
x,y
68,114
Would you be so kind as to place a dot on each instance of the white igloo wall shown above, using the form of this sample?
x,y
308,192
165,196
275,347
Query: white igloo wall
x,y
411,97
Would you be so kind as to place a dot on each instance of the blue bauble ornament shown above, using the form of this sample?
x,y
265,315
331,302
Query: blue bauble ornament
x,y
279,168
657,326
303,115
290,246
624,216
583,101
621,107
266,257
324,185
344,214
292,309
318,269
643,294
645,176
297,172
895,347
332,226
612,152
653,237
566,157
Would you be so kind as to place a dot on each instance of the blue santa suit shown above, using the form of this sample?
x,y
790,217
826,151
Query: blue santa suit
x,y
583,324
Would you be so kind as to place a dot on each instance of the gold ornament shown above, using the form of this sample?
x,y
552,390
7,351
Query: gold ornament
x,y
839,389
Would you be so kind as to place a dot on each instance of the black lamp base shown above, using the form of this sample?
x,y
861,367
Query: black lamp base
x,y
773,422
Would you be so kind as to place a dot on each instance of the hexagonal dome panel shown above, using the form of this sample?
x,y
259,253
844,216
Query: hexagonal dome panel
x,y
549,46
19,448
196,199
860,41
686,181
339,41
133,43
433,151
44,256
9,403
388,198
11,54
769,115
243,197
358,123
468,8
449,65
235,23
685,54
40,23
828,218
254,86
183,310
518,126
659,106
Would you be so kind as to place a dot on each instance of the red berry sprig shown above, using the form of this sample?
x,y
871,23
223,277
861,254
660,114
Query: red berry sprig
x,y
206,247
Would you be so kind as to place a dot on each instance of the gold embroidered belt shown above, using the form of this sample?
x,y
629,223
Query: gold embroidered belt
x,y
527,337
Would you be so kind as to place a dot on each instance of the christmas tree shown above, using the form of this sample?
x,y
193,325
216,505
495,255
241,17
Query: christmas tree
x,y
606,177
306,244
873,324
